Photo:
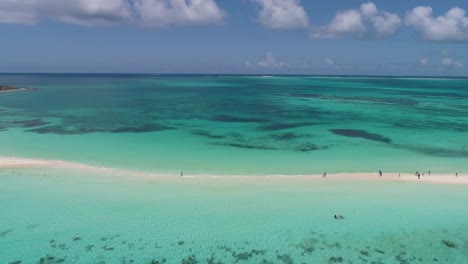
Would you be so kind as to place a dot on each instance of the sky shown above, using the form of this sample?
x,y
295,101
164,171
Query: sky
x,y
381,37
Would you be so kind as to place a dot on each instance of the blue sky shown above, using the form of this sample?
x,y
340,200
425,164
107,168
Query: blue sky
x,y
409,37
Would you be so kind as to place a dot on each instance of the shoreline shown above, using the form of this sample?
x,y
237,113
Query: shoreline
x,y
28,163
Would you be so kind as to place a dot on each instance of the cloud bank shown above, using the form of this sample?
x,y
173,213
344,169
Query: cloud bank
x,y
282,14
365,21
91,12
161,13
358,22
453,26
80,12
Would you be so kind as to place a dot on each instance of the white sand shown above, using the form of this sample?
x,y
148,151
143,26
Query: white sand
x,y
18,163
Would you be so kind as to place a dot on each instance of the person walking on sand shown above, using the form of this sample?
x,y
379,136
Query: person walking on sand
x,y
456,174
419,176
429,173
324,175
380,173
182,174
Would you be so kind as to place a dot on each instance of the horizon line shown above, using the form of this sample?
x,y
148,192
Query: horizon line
x,y
236,74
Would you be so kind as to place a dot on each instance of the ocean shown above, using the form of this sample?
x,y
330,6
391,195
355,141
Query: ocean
x,y
248,130
242,125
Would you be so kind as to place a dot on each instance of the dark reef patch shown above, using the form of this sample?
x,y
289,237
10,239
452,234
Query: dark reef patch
x,y
16,262
307,246
335,260
190,260
285,258
6,232
50,259
247,146
205,133
212,260
141,128
235,119
356,133
403,258
379,251
449,244
247,255
54,129
31,123
158,261
281,126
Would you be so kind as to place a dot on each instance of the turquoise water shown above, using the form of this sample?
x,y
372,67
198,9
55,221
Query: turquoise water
x,y
53,216
233,125
239,124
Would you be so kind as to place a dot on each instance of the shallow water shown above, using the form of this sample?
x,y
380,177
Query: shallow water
x,y
55,216
239,124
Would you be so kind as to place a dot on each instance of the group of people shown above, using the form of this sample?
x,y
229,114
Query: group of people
x,y
417,173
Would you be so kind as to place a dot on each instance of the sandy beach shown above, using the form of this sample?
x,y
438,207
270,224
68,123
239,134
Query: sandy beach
x,y
27,163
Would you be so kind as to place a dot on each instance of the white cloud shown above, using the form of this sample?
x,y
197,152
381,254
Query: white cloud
x,y
355,22
108,12
347,22
424,62
450,62
160,13
328,61
282,14
81,12
268,61
453,26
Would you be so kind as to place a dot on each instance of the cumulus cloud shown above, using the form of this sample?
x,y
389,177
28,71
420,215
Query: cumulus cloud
x,y
282,14
356,22
268,61
450,62
178,12
453,26
108,12
81,12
